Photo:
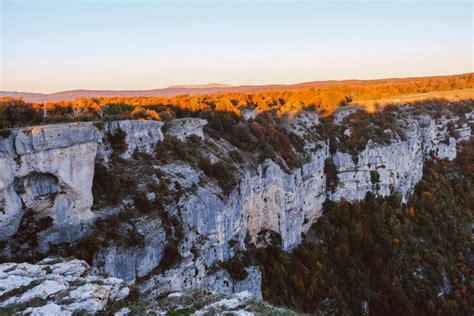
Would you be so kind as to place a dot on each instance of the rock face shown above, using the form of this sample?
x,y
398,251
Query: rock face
x,y
54,177
396,167
211,303
190,275
286,204
182,128
48,170
271,199
141,135
56,287
129,264
300,122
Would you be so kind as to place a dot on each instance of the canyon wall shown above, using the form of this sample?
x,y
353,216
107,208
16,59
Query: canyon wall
x,y
48,171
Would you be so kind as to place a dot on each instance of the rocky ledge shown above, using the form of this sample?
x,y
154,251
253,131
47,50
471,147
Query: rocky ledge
x,y
56,287
62,287
201,302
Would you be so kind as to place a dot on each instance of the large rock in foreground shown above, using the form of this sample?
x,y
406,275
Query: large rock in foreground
x,y
202,302
56,287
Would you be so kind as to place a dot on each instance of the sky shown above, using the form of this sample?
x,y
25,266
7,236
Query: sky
x,y
50,46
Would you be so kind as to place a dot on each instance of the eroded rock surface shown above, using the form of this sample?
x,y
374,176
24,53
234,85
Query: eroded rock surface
x,y
140,135
182,128
48,170
56,287
202,302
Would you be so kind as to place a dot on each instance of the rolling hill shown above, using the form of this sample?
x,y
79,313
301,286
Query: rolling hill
x,y
212,88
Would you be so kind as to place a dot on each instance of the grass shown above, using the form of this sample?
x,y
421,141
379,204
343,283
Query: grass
x,y
14,310
19,291
451,95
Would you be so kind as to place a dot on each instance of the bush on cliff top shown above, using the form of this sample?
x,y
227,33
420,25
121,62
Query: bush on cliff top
x,y
117,141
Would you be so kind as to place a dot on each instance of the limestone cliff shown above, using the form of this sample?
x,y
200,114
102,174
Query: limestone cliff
x,y
49,171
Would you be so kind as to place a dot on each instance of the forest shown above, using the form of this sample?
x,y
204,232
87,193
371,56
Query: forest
x,y
324,99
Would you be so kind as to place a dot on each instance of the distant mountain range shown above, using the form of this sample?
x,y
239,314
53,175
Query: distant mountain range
x,y
212,88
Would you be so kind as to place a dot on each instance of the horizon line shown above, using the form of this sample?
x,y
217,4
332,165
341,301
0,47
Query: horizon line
x,y
220,85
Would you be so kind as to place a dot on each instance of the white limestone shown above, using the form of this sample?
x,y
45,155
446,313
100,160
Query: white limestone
x,y
141,135
50,309
49,169
185,127
63,286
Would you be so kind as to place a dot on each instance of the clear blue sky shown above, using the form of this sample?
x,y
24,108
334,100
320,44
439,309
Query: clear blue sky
x,y
48,46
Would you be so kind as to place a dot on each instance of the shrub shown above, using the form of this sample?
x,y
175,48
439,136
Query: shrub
x,y
167,115
14,112
171,256
331,175
153,115
142,203
205,165
117,109
110,188
5,133
172,149
117,141
99,125
25,241
182,311
236,156
263,137
221,171
236,267
374,176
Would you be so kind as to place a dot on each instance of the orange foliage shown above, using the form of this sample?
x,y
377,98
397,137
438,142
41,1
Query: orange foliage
x,y
138,112
396,242
153,115
324,97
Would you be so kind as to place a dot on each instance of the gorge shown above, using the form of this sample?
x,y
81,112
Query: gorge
x,y
163,205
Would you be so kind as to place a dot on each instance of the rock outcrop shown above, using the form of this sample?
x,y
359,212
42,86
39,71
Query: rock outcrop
x,y
182,128
199,302
140,135
129,264
270,199
398,166
48,170
56,287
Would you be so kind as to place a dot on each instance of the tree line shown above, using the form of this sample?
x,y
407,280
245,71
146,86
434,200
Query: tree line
x,y
324,98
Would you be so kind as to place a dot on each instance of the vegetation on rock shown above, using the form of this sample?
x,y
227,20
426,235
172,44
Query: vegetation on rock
x,y
411,259
325,97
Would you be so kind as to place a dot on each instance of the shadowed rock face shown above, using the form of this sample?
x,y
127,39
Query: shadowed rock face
x,y
37,190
